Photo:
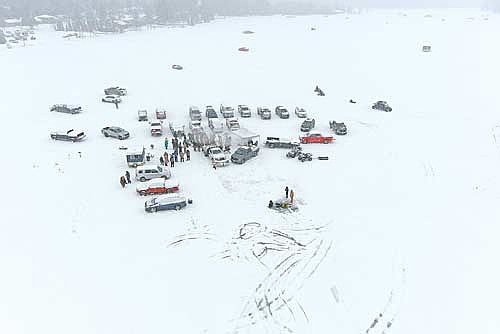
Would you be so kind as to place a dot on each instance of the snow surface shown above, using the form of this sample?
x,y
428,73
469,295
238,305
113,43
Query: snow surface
x,y
401,221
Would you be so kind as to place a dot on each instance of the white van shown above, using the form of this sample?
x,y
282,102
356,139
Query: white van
x,y
148,172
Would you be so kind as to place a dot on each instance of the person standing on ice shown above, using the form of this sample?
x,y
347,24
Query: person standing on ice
x,y
166,143
182,156
188,155
162,161
292,195
172,160
127,176
123,181
165,158
286,192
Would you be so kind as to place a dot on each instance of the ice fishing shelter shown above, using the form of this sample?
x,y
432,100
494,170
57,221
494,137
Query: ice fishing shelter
x,y
244,136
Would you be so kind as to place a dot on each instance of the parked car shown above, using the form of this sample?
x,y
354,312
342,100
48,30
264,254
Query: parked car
x,y
232,124
315,137
194,113
115,132
217,156
67,109
382,105
112,99
177,129
216,125
210,112
142,115
195,126
226,111
70,135
264,113
157,186
115,91
300,112
177,67
282,112
338,127
307,125
156,129
148,172
244,153
244,111
165,202
161,114
275,142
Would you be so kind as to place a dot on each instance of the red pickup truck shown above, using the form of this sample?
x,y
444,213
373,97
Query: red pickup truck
x,y
157,186
315,137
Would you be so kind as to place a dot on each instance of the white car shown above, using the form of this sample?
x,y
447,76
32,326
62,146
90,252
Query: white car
x,y
156,129
112,99
217,156
232,124
300,112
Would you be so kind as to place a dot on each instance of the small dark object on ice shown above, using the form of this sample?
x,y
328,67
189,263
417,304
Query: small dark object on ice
x,y
352,101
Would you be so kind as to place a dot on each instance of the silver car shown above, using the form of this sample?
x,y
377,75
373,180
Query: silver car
x,y
115,132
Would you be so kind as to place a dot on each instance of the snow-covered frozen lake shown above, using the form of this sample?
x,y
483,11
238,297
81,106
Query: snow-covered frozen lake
x,y
396,233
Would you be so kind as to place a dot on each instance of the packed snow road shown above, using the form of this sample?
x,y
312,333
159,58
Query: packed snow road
x,y
395,233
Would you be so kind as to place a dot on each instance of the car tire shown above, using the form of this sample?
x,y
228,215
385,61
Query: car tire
x,y
106,134
142,179
164,177
177,207
154,210
325,142
142,193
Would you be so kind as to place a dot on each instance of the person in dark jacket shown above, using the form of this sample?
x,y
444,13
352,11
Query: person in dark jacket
x,y
271,204
162,161
123,182
127,176
172,161
176,155
188,155
286,191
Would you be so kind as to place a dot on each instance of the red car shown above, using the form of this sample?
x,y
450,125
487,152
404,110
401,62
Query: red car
x,y
161,114
244,49
157,186
315,137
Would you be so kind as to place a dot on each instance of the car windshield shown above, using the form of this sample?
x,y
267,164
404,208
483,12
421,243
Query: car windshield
x,y
240,151
216,151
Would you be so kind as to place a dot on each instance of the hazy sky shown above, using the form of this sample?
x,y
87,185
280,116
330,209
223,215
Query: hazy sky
x,y
402,3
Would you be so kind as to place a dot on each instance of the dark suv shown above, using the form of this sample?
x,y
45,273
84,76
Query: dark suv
x,y
308,125
282,112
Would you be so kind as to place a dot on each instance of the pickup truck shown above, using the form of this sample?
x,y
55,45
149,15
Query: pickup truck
x,y
157,186
315,137
244,153
275,142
